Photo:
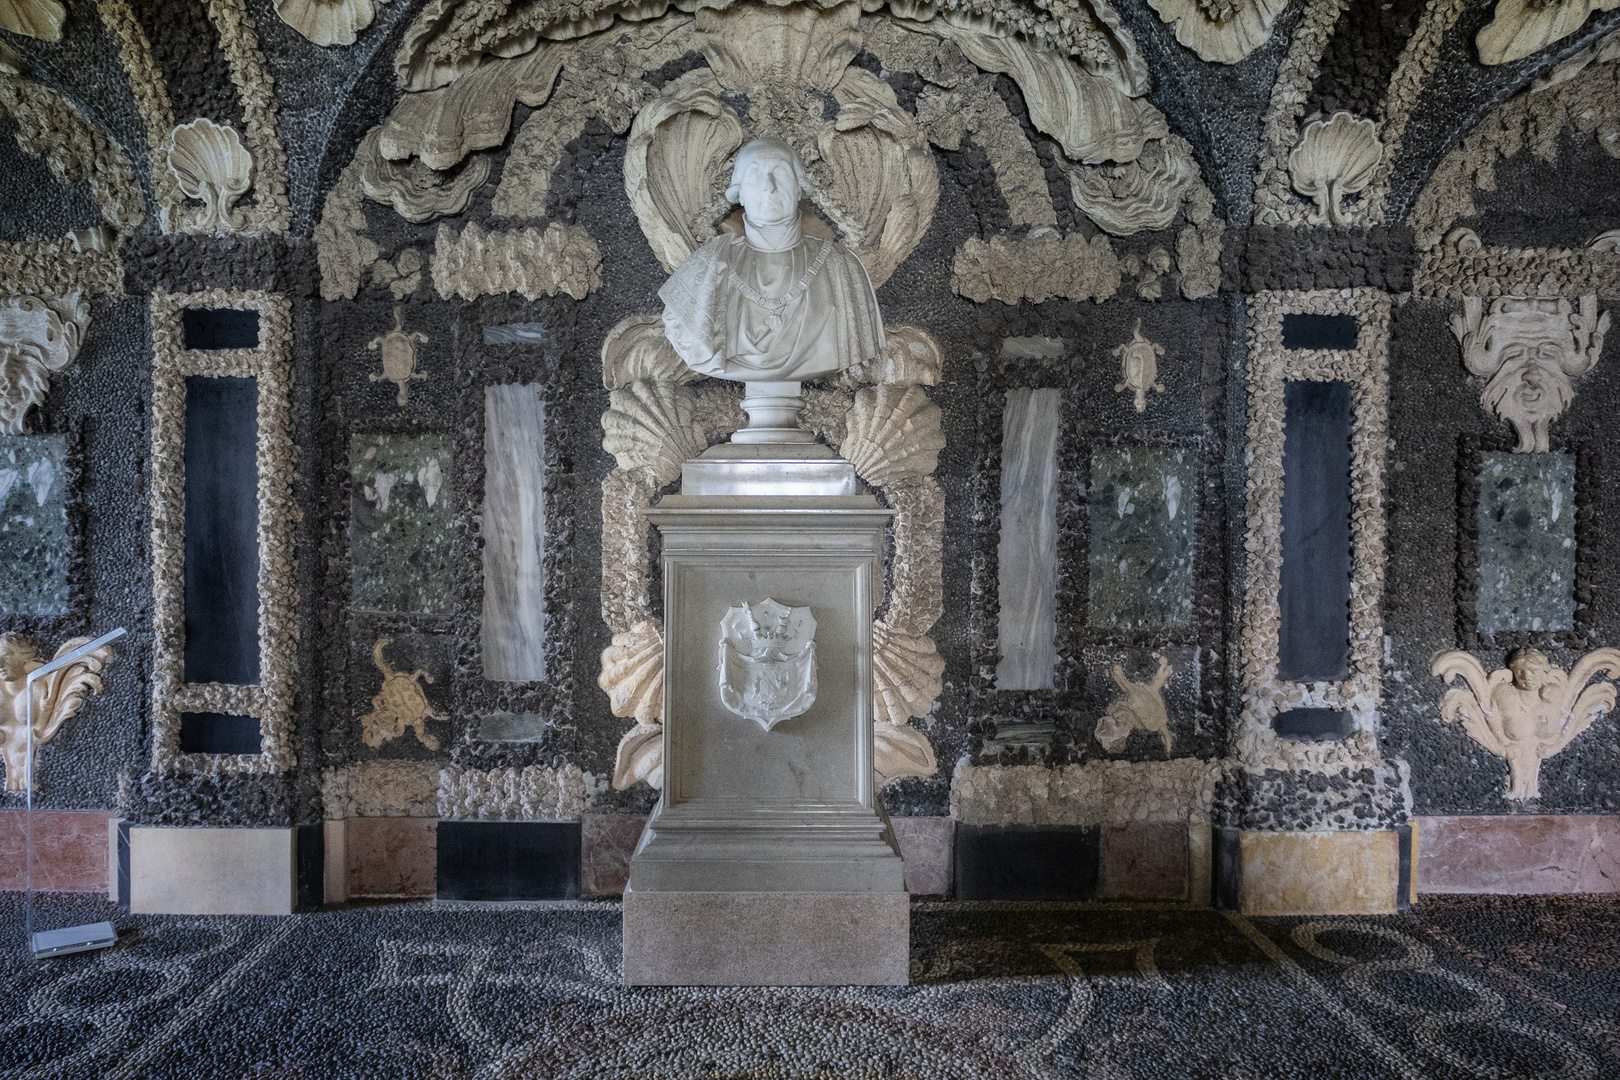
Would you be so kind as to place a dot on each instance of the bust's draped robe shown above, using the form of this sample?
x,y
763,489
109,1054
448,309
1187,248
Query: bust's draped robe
x,y
736,311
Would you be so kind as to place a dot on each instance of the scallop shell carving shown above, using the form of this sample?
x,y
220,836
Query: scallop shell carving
x,y
640,759
898,750
637,349
1335,158
328,22
212,165
633,672
907,674
651,425
894,434
910,355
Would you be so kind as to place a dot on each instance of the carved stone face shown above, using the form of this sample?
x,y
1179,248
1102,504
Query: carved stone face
x,y
1540,386
768,186
1530,669
15,653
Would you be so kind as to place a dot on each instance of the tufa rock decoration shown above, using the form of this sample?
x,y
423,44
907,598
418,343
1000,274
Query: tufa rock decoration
x,y
328,22
1527,711
416,192
1220,31
1529,349
40,19
38,336
1036,268
398,357
1335,158
1144,194
210,163
399,705
1139,367
1140,708
58,697
532,263
1521,27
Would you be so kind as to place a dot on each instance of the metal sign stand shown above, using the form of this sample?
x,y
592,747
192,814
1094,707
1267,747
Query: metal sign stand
x,y
72,939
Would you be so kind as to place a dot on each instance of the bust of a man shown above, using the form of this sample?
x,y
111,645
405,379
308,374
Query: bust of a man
x,y
772,305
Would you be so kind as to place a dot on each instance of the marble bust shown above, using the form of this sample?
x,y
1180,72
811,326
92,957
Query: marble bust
x,y
772,306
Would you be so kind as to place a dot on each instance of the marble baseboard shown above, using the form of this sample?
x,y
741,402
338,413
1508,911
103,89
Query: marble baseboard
x,y
70,850
1518,854
767,939
606,843
1023,862
391,856
212,871
1144,861
508,860
926,846
1319,873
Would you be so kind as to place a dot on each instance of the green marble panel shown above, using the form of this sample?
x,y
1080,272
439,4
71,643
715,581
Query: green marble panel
x,y
1526,542
1144,513
33,525
400,523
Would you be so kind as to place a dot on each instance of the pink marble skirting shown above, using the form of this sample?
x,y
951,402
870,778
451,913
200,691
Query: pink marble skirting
x,y
70,850
1519,853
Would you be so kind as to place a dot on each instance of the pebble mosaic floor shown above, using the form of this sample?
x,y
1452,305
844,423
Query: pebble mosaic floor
x,y
1459,988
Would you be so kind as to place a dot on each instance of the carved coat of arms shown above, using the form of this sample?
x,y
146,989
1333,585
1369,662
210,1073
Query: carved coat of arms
x,y
768,661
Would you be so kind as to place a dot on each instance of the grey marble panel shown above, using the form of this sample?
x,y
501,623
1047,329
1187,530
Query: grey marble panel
x,y
33,525
512,727
514,534
400,523
1144,524
1526,542
1028,550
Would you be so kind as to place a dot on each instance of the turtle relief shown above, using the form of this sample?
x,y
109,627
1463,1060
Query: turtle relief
x,y
400,705
1139,367
398,349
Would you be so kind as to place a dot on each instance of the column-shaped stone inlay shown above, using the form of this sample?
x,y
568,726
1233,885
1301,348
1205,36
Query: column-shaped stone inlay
x,y
514,534
1027,554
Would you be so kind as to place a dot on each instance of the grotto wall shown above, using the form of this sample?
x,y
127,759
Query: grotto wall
x,y
397,264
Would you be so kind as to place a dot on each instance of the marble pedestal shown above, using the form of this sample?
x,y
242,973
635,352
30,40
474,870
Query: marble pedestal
x,y
766,861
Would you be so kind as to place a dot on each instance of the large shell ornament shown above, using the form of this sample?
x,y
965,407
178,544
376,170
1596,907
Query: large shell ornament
x,y
650,425
633,672
1335,158
893,434
211,164
898,750
637,349
328,22
907,674
41,19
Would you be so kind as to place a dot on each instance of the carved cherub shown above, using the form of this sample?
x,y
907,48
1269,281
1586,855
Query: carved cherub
x,y
57,697
1140,708
399,705
1529,349
1529,710
1139,367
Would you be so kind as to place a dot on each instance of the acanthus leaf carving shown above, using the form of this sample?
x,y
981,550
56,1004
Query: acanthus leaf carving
x,y
38,336
329,22
210,164
1528,349
57,697
1527,711
1335,157
1223,32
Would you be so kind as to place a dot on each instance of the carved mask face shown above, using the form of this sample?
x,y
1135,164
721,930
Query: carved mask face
x,y
769,188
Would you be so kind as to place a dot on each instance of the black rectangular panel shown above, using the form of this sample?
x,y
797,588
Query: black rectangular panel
x,y
222,531
219,733
1301,331
1314,639
1403,884
1228,867
1020,862
508,860
219,328
1313,724
309,853
123,865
